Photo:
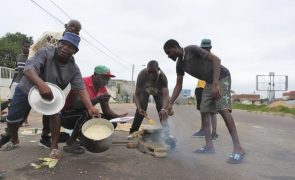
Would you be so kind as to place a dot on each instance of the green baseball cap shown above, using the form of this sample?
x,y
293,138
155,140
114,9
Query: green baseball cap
x,y
103,70
206,43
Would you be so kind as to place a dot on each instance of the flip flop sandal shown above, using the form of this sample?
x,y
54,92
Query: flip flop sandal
x,y
5,138
235,158
79,143
2,172
204,150
25,124
75,149
55,154
9,146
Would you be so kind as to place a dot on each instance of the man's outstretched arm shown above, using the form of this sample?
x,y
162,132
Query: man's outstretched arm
x,y
176,91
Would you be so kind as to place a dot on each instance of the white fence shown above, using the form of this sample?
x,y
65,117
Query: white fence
x,y
6,75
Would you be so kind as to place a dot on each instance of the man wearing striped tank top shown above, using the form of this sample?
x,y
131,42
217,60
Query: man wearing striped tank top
x,y
18,71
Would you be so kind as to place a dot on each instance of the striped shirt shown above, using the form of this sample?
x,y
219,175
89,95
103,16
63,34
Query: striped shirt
x,y
19,67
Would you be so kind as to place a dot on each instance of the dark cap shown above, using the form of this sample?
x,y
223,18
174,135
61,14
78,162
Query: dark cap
x,y
72,38
206,43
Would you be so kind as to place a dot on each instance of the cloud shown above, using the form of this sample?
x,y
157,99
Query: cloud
x,y
251,37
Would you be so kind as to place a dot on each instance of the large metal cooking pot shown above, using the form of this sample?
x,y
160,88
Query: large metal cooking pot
x,y
96,146
151,133
151,128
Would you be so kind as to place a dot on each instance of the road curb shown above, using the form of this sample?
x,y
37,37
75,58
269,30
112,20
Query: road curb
x,y
269,113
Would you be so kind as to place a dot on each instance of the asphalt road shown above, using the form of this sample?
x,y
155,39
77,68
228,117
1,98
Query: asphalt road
x,y
268,141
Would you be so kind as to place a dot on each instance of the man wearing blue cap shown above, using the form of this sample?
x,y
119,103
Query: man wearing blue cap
x,y
50,64
49,38
216,96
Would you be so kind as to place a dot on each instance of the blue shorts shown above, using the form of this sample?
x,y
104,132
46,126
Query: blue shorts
x,y
19,107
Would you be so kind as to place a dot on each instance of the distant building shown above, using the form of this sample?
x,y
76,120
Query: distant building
x,y
183,97
289,95
122,90
245,98
185,93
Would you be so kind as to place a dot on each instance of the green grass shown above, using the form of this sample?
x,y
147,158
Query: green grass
x,y
264,108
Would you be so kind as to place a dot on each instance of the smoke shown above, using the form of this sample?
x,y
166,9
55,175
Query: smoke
x,y
179,132
166,138
172,135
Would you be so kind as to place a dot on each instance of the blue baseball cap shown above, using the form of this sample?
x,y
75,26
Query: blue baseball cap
x,y
72,38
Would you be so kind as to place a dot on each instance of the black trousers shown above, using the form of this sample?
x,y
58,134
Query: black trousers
x,y
144,99
72,119
198,94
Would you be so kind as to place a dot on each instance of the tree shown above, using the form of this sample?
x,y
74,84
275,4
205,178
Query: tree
x,y
10,47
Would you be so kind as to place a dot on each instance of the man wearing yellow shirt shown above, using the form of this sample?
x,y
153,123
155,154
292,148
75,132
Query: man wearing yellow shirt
x,y
205,44
201,133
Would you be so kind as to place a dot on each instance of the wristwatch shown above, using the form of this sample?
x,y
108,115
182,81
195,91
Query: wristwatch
x,y
164,110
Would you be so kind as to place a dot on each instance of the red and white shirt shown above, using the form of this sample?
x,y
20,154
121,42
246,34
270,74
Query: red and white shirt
x,y
90,89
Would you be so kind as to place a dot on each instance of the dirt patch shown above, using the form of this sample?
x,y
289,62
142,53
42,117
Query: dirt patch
x,y
289,104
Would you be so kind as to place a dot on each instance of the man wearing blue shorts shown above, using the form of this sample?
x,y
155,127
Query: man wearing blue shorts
x,y
50,64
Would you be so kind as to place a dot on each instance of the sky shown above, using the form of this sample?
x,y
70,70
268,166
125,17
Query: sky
x,y
253,37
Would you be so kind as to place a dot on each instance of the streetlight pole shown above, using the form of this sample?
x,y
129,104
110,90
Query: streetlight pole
x,y
132,72
133,89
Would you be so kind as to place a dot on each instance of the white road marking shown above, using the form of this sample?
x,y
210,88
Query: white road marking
x,y
258,127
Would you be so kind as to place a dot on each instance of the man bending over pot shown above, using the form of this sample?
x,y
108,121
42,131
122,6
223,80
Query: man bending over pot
x,y
75,114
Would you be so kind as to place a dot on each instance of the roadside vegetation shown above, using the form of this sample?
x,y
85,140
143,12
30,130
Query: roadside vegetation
x,y
10,47
264,108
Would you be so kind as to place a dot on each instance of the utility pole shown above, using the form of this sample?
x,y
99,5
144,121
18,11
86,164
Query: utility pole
x,y
132,72
133,89
271,92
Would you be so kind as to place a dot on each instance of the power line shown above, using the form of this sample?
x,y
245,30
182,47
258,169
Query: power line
x,y
81,36
60,9
47,11
98,49
104,46
88,32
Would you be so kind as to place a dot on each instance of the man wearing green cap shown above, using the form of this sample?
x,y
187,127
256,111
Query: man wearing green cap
x,y
74,113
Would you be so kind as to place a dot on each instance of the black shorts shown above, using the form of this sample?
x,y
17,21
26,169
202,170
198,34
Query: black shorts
x,y
198,94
